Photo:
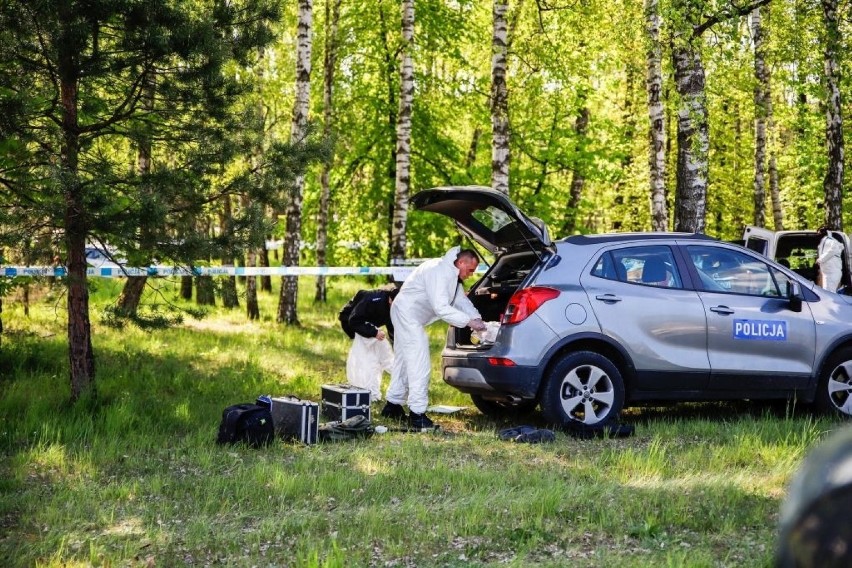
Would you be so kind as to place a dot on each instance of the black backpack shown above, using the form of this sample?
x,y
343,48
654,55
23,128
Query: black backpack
x,y
248,422
346,311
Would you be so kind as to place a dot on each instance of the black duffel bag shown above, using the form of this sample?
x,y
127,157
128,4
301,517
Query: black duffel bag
x,y
248,422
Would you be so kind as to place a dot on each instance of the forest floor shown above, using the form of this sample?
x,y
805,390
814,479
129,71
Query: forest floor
x,y
134,477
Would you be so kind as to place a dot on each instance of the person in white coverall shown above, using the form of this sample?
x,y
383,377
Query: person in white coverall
x,y
431,292
371,352
828,259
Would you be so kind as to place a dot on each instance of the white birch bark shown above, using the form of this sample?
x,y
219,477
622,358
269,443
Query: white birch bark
x,y
500,156
287,312
403,136
693,141
656,115
761,100
833,181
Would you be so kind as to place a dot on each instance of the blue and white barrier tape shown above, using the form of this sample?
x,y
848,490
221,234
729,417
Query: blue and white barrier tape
x,y
115,272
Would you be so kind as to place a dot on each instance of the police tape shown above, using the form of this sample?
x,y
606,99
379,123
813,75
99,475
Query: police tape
x,y
156,271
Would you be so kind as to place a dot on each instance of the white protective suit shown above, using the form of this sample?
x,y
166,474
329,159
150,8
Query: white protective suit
x,y
367,358
431,292
830,265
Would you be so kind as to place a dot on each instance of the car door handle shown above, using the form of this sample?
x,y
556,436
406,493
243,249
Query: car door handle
x,y
608,298
723,310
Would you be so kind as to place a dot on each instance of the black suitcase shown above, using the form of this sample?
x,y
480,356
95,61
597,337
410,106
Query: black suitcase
x,y
295,419
340,402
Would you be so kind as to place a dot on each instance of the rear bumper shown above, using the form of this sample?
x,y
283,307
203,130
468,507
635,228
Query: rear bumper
x,y
473,374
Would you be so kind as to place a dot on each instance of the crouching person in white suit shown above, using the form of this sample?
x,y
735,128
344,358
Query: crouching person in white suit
x,y
431,292
371,353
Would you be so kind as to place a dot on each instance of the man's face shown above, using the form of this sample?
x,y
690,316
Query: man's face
x,y
466,267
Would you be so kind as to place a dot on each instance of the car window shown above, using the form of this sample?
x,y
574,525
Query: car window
x,y
782,280
649,266
492,218
757,244
725,270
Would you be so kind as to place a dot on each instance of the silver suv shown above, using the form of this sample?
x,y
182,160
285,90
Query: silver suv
x,y
593,323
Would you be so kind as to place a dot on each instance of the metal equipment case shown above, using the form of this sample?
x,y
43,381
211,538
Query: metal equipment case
x,y
340,402
295,419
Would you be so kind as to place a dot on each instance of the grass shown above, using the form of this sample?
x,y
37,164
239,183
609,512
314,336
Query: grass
x,y
134,478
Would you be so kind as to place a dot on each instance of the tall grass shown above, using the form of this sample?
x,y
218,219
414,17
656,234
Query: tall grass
x,y
134,478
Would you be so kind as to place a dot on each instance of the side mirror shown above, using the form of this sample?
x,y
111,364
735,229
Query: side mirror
x,y
795,296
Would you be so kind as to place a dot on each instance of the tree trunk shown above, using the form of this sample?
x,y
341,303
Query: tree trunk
x,y
205,291
392,109
578,177
265,280
761,112
471,152
81,356
656,115
774,191
833,181
186,287
252,307
287,312
131,294
692,139
500,156
403,137
229,283
771,138
332,15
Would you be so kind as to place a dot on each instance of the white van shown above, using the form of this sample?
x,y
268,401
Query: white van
x,y
797,249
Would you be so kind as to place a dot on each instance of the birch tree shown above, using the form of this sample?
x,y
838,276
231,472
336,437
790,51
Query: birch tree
x,y
656,115
693,142
403,137
833,181
500,155
761,112
287,312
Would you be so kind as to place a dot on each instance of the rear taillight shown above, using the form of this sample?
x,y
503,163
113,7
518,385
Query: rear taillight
x,y
500,362
524,303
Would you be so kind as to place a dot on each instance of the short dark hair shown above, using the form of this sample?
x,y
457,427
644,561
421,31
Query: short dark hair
x,y
468,254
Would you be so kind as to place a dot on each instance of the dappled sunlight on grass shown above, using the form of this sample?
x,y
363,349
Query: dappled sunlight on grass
x,y
53,463
126,527
367,465
135,478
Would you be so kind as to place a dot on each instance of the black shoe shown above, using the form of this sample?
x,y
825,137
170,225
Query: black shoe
x,y
420,422
393,411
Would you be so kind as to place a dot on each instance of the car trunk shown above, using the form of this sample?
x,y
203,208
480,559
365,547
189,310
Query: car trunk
x,y
490,219
491,294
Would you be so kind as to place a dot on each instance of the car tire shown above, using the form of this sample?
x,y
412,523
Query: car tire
x,y
583,389
499,409
834,390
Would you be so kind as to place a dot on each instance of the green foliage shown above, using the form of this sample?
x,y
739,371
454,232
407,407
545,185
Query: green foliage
x,y
135,73
219,122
